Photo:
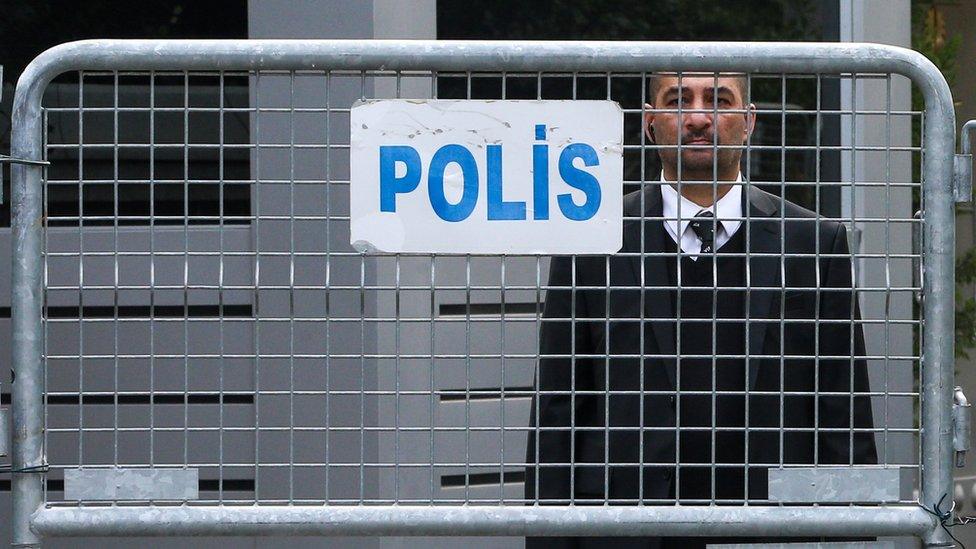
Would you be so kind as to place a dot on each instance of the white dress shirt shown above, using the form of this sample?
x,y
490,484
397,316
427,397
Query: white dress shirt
x,y
728,212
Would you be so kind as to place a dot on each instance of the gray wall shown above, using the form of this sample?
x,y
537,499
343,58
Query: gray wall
x,y
884,22
887,22
392,19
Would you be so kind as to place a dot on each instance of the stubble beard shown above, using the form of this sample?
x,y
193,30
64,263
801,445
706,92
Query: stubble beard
x,y
695,165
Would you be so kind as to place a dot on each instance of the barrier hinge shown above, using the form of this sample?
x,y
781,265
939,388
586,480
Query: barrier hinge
x,y
961,419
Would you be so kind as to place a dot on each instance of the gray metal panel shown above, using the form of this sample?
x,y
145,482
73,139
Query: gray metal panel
x,y
4,431
834,484
119,484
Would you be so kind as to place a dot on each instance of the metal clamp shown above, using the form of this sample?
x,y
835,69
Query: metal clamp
x,y
962,176
4,431
961,420
917,272
4,159
962,167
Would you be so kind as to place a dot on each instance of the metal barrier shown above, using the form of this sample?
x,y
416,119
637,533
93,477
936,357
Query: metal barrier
x,y
199,351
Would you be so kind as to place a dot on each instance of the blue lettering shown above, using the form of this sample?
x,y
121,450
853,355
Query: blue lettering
x,y
540,181
579,179
435,183
390,184
498,209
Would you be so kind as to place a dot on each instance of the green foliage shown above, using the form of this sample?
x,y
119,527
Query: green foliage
x,y
965,306
930,38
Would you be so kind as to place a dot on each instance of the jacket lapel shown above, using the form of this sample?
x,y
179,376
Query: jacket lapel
x,y
658,304
764,278
763,236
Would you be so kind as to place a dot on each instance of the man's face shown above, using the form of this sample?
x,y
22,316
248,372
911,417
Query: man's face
x,y
697,131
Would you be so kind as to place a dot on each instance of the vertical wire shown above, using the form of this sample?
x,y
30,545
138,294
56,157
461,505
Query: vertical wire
x,y
115,267
431,403
256,189
747,214
606,371
44,295
152,266
291,288
572,366
818,283
501,385
644,101
921,284
431,411
328,271
715,282
538,355
81,267
782,273
362,341
679,254
854,254
501,486
467,359
396,359
186,268
467,377
396,373
220,288
887,226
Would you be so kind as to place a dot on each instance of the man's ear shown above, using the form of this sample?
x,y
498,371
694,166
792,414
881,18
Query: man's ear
x,y
750,119
648,121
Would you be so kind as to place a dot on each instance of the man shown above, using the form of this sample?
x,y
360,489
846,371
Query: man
x,y
724,342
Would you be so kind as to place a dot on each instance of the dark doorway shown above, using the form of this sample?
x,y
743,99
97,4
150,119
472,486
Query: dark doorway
x,y
739,20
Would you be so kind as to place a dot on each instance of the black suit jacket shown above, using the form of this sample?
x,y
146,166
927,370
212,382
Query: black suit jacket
x,y
591,342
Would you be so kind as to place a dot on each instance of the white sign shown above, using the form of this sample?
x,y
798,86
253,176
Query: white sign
x,y
486,177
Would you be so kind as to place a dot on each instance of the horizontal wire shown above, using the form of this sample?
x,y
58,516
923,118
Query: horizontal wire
x,y
509,392
460,356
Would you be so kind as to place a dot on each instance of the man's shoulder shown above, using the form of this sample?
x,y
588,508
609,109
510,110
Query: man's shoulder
x,y
777,206
791,211
636,202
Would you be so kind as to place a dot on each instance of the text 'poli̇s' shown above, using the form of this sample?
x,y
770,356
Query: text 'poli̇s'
x,y
573,159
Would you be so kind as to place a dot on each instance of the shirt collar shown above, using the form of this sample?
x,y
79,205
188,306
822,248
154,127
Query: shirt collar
x,y
728,209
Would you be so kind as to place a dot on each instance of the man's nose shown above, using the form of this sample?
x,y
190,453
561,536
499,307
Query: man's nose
x,y
699,118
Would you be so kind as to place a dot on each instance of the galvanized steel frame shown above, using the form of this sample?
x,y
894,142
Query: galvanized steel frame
x,y
32,519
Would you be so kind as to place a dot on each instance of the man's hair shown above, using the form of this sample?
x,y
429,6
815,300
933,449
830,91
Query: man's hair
x,y
653,82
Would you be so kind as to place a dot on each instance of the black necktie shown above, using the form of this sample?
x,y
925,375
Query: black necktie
x,y
704,226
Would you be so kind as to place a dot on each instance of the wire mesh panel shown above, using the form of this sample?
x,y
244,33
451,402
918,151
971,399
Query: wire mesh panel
x,y
203,307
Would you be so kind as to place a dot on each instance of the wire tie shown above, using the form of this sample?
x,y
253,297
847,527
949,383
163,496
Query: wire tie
x,y
945,518
42,468
12,160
